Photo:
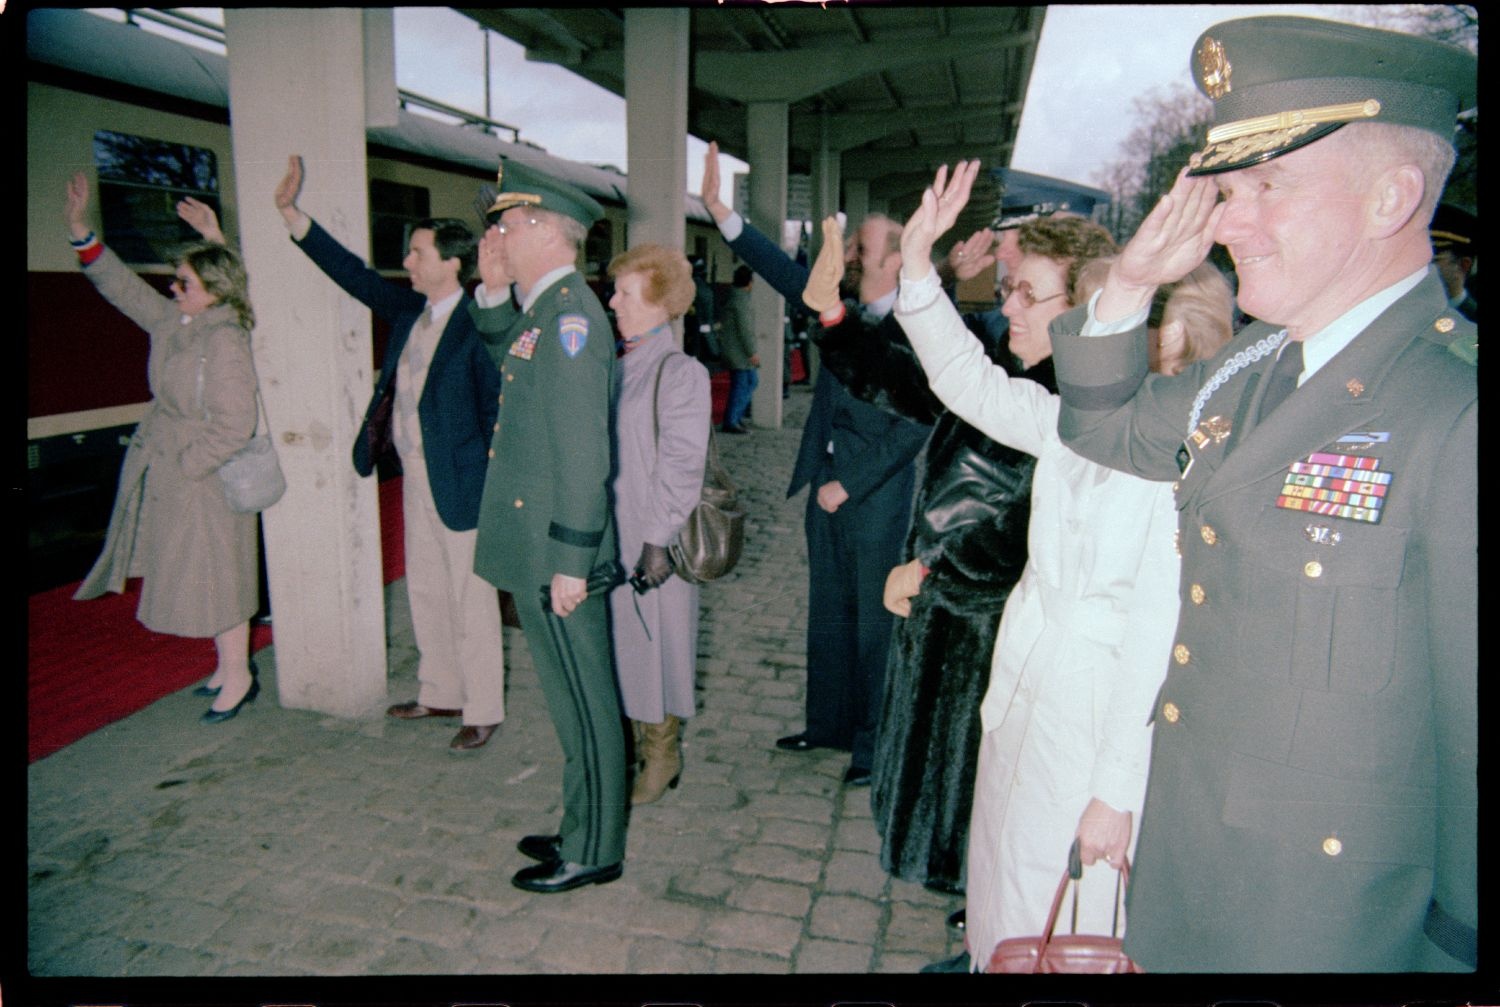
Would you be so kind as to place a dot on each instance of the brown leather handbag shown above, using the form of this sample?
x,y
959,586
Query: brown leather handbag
x,y
710,542
1075,953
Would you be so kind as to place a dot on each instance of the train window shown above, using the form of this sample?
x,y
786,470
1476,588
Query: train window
x,y
599,248
141,181
393,209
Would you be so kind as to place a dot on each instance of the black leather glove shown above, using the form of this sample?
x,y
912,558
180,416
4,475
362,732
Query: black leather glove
x,y
654,566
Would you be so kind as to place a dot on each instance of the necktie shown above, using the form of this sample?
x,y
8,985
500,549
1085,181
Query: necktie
x,y
1282,379
417,341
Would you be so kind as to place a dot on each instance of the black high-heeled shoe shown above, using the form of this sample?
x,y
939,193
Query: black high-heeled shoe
x,y
213,690
212,716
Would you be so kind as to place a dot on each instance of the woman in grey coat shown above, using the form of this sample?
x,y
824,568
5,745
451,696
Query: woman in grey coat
x,y
661,438
171,524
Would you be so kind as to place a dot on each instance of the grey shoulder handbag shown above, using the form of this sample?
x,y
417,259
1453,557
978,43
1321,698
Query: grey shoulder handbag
x,y
709,544
251,478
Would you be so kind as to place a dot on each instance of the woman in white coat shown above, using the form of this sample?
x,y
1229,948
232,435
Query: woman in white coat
x,y
1086,634
661,439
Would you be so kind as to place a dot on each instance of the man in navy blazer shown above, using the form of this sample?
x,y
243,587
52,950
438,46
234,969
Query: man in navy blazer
x,y
858,461
435,404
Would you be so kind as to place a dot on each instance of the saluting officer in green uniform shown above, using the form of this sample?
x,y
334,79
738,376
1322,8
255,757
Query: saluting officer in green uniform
x,y
544,518
1312,804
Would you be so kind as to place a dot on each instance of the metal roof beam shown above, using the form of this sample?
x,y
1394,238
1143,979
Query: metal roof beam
x,y
847,130
796,74
872,163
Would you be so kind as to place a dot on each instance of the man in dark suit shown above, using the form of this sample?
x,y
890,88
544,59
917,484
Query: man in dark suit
x,y
545,531
1312,803
1455,247
857,459
434,403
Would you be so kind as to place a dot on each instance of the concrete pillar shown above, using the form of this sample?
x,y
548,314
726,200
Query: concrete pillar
x,y
657,66
296,85
857,200
766,140
827,160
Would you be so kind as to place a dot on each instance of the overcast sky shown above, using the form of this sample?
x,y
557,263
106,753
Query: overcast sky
x,y
1094,61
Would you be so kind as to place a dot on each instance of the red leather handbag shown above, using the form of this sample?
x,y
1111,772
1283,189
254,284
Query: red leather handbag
x,y
1074,953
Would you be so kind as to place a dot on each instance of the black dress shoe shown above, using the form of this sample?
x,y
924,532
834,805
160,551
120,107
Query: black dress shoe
x,y
564,876
854,776
958,919
213,690
413,710
543,848
796,743
213,716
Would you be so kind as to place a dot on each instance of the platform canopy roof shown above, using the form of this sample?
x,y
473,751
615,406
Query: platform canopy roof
x,y
904,88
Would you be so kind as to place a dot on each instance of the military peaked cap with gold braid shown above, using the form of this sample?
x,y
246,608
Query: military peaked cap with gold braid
x,y
1279,83
520,185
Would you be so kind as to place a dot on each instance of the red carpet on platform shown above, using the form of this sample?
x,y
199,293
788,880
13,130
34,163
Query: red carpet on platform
x,y
90,663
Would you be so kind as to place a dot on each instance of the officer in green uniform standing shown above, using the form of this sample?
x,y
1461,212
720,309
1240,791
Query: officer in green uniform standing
x,y
545,531
1312,803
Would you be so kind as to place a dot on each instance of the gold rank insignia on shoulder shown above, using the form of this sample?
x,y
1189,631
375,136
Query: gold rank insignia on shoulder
x,y
1444,324
1356,387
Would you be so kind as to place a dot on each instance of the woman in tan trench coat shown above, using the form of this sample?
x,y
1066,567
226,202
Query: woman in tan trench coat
x,y
171,524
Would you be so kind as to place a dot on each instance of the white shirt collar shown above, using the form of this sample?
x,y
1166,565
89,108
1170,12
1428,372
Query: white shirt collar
x,y
881,306
541,285
1325,344
443,308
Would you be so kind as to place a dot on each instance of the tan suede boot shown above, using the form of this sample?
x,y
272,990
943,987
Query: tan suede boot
x,y
663,752
637,747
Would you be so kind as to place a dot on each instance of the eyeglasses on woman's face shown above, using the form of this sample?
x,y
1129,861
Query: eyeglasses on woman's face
x,y
1028,297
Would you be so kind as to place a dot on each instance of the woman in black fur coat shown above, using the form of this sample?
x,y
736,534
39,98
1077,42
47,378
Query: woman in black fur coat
x,y
969,530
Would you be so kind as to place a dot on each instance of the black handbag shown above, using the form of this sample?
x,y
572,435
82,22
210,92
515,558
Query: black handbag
x,y
709,543
378,426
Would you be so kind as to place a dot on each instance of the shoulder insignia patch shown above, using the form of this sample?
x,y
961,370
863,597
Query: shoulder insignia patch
x,y
573,331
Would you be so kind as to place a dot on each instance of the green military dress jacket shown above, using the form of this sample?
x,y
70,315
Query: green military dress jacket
x,y
545,507
1312,803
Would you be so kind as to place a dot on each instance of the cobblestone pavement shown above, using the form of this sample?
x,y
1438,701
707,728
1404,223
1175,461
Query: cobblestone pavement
x,y
290,843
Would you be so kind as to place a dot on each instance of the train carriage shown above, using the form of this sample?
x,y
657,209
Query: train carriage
x,y
149,115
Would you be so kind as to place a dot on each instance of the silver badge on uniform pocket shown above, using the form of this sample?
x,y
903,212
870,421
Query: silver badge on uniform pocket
x,y
1319,534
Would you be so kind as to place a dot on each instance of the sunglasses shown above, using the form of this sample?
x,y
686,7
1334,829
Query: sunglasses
x,y
1029,299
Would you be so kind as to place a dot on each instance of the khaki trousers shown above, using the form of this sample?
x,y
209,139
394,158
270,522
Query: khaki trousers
x,y
455,615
